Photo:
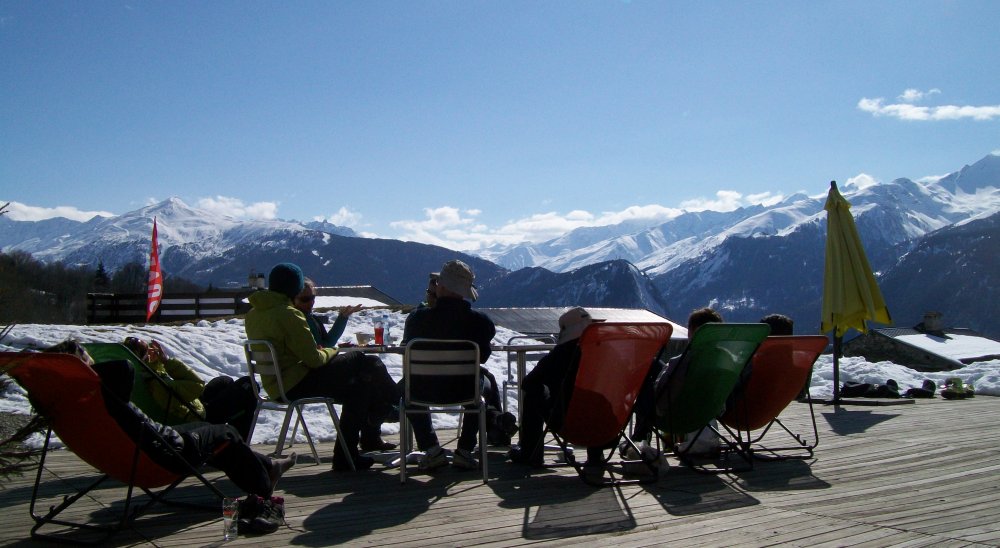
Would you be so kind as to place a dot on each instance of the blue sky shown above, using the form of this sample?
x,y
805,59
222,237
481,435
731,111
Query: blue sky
x,y
469,123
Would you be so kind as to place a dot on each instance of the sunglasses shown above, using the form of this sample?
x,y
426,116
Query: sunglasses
x,y
307,298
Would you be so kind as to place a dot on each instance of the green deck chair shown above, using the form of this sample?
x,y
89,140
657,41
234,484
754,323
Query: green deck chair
x,y
141,396
695,390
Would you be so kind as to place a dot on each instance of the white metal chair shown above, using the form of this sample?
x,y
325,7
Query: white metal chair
x,y
261,361
440,376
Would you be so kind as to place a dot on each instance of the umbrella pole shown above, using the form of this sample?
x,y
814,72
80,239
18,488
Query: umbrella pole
x,y
836,367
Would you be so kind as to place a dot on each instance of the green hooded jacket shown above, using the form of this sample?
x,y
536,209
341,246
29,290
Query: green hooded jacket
x,y
275,319
185,384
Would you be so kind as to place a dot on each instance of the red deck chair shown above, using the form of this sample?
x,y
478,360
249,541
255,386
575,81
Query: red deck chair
x,y
780,368
614,360
68,393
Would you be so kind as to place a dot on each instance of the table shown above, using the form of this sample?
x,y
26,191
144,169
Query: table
x,y
375,349
521,353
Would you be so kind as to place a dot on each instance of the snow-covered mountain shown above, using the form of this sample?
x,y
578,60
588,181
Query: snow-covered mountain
x,y
746,262
208,248
182,229
610,284
897,211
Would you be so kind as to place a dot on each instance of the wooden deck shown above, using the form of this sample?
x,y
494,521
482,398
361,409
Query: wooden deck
x,y
926,474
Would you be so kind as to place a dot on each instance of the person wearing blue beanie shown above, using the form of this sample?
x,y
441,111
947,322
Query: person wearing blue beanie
x,y
287,279
360,382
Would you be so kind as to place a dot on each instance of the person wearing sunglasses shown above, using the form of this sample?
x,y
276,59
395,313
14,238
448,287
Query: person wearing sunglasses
x,y
305,301
371,434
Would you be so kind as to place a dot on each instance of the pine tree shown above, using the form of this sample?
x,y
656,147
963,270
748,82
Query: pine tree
x,y
102,282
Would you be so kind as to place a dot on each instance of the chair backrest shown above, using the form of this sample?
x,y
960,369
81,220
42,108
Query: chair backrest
x,y
67,392
142,397
441,372
695,389
614,361
262,359
779,370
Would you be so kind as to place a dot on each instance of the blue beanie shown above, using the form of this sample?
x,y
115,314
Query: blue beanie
x,y
287,279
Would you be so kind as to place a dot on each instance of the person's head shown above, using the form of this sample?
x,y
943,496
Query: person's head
x,y
700,317
780,324
573,322
287,279
306,298
70,346
138,346
456,280
431,293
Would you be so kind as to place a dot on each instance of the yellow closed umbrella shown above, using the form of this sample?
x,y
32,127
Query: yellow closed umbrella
x,y
851,295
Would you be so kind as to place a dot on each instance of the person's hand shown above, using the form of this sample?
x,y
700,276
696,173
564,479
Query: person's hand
x,y
346,311
155,353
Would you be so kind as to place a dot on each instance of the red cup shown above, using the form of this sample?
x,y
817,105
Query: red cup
x,y
379,331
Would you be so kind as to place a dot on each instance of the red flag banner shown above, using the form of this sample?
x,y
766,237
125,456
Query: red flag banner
x,y
155,286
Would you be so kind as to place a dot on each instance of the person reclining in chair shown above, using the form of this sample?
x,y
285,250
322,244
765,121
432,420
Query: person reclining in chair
x,y
546,393
197,443
185,396
659,373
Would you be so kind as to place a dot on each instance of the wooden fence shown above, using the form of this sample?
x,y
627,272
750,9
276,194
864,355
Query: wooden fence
x,y
131,307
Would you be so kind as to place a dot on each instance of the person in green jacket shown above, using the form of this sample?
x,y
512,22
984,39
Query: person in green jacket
x,y
360,381
181,387
187,398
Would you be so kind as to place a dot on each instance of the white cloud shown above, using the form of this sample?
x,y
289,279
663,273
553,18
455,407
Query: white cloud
x,y
343,217
234,207
931,178
915,95
862,180
725,200
906,110
455,229
21,212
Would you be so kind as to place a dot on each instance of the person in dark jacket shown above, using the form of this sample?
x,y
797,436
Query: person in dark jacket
x,y
305,301
547,386
451,317
190,445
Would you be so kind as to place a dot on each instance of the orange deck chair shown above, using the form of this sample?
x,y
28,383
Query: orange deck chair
x,y
780,368
72,398
614,360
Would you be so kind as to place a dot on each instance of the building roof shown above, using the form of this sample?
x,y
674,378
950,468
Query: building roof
x,y
964,345
545,321
344,295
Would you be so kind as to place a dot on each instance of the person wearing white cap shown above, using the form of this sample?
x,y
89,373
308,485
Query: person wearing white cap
x,y
543,390
451,317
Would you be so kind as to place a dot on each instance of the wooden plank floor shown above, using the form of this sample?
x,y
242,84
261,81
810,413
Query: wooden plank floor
x,y
926,474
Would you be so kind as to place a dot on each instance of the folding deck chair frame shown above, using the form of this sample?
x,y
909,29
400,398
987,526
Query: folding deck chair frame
x,y
780,368
38,371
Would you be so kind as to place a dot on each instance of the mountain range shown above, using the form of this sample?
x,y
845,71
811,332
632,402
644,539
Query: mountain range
x,y
933,245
